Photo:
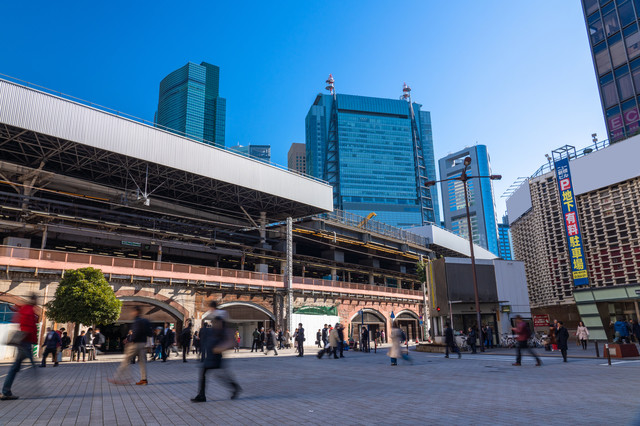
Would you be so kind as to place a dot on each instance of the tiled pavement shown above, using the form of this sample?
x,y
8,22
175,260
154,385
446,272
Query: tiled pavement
x,y
360,389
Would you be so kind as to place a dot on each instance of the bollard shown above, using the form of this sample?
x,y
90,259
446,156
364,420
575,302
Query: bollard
x,y
597,350
606,346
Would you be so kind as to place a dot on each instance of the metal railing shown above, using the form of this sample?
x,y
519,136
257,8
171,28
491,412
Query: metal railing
x,y
144,122
350,219
546,168
167,270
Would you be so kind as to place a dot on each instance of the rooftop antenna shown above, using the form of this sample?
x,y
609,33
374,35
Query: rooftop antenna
x,y
330,86
406,92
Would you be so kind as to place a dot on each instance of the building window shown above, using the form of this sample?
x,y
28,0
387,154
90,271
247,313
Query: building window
x,y
611,22
609,93
590,6
632,40
625,10
5,313
602,58
616,47
625,86
595,29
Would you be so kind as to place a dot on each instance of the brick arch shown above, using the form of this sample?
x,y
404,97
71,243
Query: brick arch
x,y
155,299
17,300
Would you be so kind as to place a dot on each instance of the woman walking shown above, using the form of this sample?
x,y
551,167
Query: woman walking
x,y
583,335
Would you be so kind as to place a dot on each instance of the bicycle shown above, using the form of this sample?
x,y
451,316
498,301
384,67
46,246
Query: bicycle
x,y
507,341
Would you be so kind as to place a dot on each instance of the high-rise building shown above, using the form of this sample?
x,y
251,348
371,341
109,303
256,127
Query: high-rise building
x,y
190,103
296,158
614,37
377,153
504,239
484,224
258,152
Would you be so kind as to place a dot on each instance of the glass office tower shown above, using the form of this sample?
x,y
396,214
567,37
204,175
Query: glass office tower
x,y
189,103
482,207
375,157
614,37
504,239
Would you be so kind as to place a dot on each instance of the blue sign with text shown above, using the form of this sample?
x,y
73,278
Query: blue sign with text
x,y
571,225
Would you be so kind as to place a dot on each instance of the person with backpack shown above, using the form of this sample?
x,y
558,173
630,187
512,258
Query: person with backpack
x,y
51,342
523,333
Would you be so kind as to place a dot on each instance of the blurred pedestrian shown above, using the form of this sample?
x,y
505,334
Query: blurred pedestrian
x,y
395,351
562,337
319,338
280,339
582,334
523,333
489,332
364,340
24,339
78,347
450,342
196,343
51,342
471,339
300,339
333,341
621,331
325,336
270,342
98,342
141,329
185,341
215,340
157,344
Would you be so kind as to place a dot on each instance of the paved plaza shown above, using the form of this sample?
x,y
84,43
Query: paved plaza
x,y
359,389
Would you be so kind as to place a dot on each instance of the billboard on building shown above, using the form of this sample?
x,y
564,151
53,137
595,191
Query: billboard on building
x,y
571,224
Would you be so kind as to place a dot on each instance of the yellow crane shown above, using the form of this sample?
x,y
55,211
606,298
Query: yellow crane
x,y
366,219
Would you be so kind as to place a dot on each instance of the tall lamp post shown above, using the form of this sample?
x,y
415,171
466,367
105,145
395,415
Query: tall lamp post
x,y
464,178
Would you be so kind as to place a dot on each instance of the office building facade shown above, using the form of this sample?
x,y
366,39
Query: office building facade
x,y
297,158
614,37
258,152
368,149
504,239
484,224
189,103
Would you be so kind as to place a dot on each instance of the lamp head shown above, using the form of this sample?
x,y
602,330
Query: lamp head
x,y
467,161
495,177
430,183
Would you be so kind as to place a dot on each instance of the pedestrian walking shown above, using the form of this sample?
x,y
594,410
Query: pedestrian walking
x,y
325,336
168,337
196,343
215,340
24,340
51,342
333,341
364,340
562,337
489,332
270,342
523,333
256,338
237,341
621,331
287,339
280,339
636,330
78,348
263,339
471,339
88,345
98,343
65,342
395,351
340,328
450,342
300,339
319,338
582,334
185,341
141,329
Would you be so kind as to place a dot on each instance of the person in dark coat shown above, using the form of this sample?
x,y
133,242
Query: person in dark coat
x,y
636,330
185,341
168,337
562,338
325,336
341,341
471,339
450,342
215,340
319,338
300,339
256,340
263,339
51,342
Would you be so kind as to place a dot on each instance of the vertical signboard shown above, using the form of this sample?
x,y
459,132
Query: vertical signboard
x,y
571,225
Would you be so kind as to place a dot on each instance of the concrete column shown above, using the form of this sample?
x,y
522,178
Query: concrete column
x,y
44,238
349,276
334,274
635,302
371,281
159,252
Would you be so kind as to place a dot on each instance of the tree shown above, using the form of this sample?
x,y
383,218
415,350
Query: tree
x,y
84,296
421,271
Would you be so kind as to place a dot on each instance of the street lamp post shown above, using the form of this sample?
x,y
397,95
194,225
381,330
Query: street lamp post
x,y
464,178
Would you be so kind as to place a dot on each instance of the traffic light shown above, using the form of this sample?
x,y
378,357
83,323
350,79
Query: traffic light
x,y
438,308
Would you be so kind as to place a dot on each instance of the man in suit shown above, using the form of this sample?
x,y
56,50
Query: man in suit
x,y
167,341
325,336
300,340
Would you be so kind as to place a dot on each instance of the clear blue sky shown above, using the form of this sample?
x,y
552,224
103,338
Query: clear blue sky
x,y
514,75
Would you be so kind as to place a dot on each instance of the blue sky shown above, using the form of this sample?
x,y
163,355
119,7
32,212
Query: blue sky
x,y
514,75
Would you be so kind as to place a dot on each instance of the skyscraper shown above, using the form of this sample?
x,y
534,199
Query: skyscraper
x,y
504,239
484,224
614,37
190,103
296,158
258,152
377,153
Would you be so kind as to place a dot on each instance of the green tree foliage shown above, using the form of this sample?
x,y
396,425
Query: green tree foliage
x,y
421,271
84,296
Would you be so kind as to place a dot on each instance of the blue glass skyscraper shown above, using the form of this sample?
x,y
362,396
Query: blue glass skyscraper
x,y
484,224
504,239
190,103
369,148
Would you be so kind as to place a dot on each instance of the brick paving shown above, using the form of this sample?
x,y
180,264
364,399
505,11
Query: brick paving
x,y
360,389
